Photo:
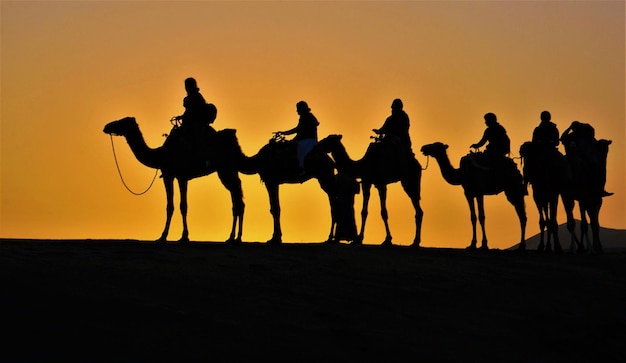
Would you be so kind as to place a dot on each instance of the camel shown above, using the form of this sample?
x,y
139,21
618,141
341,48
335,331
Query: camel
x,y
276,163
176,161
587,189
381,165
478,181
549,174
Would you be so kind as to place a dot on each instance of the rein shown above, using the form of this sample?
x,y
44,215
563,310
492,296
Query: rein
x,y
120,173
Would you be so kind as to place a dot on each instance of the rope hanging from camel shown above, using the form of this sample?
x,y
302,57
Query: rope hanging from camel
x,y
119,172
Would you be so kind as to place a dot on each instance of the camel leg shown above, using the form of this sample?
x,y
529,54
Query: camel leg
x,y
168,182
412,190
473,219
480,201
584,227
366,198
232,182
182,186
568,205
272,190
545,228
595,229
542,226
327,183
516,198
553,226
333,220
382,195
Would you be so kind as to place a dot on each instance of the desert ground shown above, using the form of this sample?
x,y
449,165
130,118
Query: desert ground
x,y
139,301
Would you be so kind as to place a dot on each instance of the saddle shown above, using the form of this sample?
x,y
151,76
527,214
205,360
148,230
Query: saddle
x,y
503,169
285,153
389,148
195,144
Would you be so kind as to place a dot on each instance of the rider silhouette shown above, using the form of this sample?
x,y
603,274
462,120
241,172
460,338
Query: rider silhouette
x,y
581,144
396,126
194,104
546,140
196,120
546,134
306,131
495,135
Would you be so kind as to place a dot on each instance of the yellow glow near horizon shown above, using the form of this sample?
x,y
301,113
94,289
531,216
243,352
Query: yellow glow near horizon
x,y
70,67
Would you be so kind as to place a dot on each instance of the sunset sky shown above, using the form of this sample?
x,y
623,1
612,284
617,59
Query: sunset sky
x,y
70,67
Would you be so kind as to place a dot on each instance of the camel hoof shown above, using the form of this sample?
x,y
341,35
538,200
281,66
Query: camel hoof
x,y
386,243
331,241
233,241
275,242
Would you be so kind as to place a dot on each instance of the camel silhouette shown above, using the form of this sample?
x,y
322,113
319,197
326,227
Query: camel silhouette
x,y
587,189
175,161
277,163
381,165
549,174
478,182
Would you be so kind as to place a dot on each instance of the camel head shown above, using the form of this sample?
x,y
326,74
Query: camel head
x,y
329,143
120,127
435,150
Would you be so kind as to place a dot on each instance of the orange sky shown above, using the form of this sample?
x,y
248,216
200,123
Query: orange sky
x,y
68,68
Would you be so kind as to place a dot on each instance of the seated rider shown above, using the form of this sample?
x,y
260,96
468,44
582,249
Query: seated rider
x,y
581,144
546,140
194,104
396,127
196,120
306,131
546,134
499,144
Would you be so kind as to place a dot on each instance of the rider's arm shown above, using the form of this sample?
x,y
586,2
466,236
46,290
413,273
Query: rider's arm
x,y
481,142
289,132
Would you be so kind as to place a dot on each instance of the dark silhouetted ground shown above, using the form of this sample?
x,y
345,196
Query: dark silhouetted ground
x,y
129,301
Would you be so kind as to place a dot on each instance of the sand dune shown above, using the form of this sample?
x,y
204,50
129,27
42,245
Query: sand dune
x,y
611,239
133,301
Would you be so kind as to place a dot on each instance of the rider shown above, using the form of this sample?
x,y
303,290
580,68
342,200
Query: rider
x,y
499,144
580,142
196,119
546,139
194,104
306,131
396,126
546,134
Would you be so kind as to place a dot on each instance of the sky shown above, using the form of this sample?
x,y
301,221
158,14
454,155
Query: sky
x,y
70,67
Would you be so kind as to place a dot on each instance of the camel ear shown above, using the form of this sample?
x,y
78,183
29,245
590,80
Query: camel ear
x,y
339,136
445,146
